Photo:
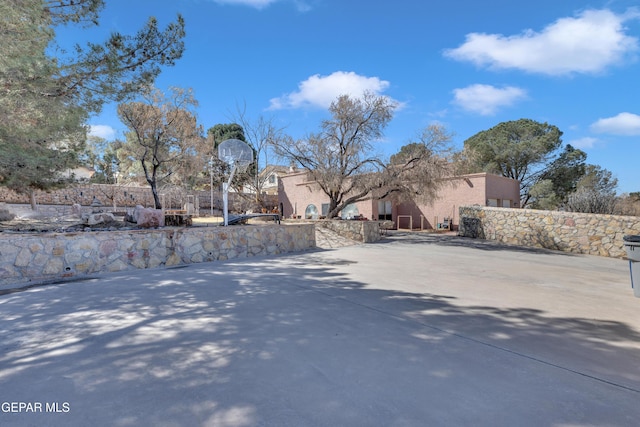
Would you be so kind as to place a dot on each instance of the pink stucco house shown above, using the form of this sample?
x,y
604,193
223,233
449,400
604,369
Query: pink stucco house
x,y
298,196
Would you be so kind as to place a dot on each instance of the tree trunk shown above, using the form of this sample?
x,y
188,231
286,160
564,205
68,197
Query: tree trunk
x,y
333,209
32,200
151,179
156,198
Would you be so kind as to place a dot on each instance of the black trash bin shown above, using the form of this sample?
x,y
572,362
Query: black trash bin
x,y
632,246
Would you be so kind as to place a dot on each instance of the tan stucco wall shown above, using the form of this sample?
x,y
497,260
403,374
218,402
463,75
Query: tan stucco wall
x,y
473,189
501,188
294,196
297,192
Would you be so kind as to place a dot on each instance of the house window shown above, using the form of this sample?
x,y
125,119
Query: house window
x,y
325,209
492,203
272,179
311,212
349,211
384,210
506,203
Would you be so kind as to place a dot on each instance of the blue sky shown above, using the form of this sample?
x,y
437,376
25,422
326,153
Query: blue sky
x,y
465,64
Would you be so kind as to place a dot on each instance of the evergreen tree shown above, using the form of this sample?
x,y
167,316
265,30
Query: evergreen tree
x,y
520,149
45,99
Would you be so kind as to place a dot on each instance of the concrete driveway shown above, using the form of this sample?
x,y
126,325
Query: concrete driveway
x,y
416,330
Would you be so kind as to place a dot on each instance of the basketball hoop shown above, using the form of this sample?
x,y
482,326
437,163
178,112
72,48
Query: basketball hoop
x,y
239,155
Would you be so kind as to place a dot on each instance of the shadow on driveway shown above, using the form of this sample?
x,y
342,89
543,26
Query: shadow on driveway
x,y
298,340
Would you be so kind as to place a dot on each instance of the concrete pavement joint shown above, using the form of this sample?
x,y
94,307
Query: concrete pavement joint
x,y
474,340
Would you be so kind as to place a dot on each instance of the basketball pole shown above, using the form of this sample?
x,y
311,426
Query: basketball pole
x,y
225,194
211,184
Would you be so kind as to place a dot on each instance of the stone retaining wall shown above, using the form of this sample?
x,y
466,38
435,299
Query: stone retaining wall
x,y
583,233
361,231
56,201
83,195
42,258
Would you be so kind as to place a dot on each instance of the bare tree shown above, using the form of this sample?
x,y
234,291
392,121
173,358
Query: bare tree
x,y
596,192
343,161
588,200
421,167
163,132
629,204
260,134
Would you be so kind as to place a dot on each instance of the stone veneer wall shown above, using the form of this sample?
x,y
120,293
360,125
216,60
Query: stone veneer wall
x,y
361,231
583,233
84,194
42,258
125,196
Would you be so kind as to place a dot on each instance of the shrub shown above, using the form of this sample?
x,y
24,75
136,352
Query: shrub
x,y
591,201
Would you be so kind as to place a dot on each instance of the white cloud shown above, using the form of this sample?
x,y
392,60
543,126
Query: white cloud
x,y
102,131
588,43
258,4
486,99
582,143
301,5
320,91
622,124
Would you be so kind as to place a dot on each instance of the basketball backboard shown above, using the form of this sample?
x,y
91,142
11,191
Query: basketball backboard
x,y
235,152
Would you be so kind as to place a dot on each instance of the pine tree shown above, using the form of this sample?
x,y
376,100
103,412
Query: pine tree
x,y
46,99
